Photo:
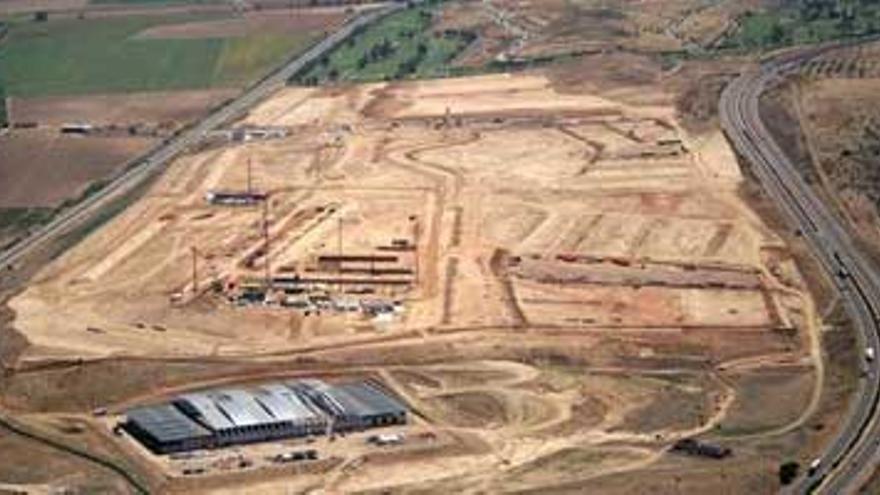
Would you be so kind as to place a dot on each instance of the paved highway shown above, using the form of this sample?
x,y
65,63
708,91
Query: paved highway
x,y
851,454
156,158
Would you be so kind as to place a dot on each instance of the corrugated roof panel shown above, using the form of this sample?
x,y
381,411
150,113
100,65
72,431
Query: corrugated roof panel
x,y
284,404
166,423
362,399
241,408
203,404
372,399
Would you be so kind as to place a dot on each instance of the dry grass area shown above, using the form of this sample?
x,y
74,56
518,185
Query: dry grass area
x,y
30,467
175,107
512,29
581,283
264,22
10,7
840,118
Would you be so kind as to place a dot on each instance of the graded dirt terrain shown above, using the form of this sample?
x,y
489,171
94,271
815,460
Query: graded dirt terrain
x,y
576,283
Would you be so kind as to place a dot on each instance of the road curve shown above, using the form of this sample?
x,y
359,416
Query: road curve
x,y
159,156
851,454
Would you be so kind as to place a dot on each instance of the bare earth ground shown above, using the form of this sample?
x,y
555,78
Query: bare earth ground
x,y
43,168
590,286
840,120
555,27
38,469
120,109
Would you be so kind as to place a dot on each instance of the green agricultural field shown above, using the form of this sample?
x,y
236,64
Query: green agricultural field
x,y
400,46
74,56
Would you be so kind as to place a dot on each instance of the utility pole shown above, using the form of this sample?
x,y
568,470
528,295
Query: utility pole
x,y
416,235
195,273
339,252
249,177
266,243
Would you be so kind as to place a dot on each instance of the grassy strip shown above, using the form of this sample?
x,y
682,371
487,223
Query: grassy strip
x,y
17,221
804,23
14,222
401,46
4,116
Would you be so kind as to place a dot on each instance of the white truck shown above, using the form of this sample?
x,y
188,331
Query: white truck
x,y
869,354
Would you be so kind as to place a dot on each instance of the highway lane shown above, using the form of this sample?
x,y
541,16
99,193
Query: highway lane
x,y
852,450
156,158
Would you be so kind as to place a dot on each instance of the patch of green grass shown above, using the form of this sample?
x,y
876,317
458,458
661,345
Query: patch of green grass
x,y
16,217
73,56
400,46
4,117
14,222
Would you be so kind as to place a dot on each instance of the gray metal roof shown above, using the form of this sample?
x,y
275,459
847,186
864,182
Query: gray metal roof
x,y
206,410
284,404
364,399
166,423
240,406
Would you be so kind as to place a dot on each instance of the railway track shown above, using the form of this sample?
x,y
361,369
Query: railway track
x,y
841,466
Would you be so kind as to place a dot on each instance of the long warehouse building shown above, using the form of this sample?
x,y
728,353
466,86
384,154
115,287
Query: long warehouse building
x,y
222,417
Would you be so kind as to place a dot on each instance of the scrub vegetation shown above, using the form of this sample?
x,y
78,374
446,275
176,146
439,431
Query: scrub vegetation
x,y
806,21
401,46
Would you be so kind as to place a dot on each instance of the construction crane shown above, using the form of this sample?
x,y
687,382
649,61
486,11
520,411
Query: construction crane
x,y
266,246
195,270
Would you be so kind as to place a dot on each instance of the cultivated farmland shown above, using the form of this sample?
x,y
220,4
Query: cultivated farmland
x,y
72,56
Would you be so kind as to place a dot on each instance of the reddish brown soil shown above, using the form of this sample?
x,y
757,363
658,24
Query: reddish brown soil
x,y
177,106
43,168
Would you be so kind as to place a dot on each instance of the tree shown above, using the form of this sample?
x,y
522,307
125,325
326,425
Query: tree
x,y
788,471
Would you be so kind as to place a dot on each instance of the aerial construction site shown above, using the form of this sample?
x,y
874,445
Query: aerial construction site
x,y
558,285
